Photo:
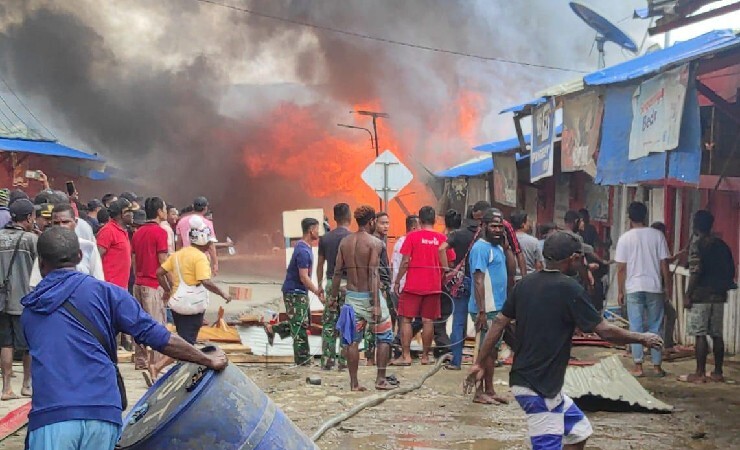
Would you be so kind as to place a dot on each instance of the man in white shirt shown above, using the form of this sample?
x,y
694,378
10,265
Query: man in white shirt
x,y
644,281
91,264
172,216
412,224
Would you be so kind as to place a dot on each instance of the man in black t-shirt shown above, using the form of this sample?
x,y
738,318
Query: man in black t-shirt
x,y
328,249
547,307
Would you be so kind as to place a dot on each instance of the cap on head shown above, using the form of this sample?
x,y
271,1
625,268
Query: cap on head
x,y
21,208
45,210
139,217
15,195
4,197
561,245
120,206
491,215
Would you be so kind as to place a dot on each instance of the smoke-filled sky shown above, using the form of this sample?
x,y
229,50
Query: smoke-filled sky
x,y
196,98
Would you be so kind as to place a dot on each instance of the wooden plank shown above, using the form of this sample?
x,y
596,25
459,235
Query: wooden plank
x,y
14,421
235,348
260,359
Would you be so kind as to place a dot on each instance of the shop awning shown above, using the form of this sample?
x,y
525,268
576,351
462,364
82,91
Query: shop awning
x,y
702,46
45,148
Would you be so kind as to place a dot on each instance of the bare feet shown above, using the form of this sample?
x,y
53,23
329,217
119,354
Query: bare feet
x,y
359,389
637,372
400,362
370,362
497,398
693,378
483,399
26,391
425,360
10,395
384,385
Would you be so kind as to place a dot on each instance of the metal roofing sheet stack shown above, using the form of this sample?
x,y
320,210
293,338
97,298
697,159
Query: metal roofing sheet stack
x,y
609,379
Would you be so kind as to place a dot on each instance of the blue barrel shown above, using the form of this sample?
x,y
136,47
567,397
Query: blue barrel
x,y
192,407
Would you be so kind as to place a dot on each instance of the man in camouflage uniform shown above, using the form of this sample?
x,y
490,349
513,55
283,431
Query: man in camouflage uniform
x,y
712,270
296,286
328,249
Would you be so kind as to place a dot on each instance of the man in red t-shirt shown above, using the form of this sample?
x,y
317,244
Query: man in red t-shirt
x,y
114,245
150,250
420,296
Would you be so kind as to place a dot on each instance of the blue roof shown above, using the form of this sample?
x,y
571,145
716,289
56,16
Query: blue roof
x,y
510,144
473,167
680,52
524,106
45,148
476,166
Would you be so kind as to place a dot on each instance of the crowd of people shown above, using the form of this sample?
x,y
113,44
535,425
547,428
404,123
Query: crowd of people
x,y
534,293
78,279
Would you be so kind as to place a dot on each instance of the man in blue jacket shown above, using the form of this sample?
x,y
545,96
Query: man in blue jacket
x,y
76,402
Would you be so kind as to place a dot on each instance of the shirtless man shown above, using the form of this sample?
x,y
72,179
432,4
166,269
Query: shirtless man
x,y
359,255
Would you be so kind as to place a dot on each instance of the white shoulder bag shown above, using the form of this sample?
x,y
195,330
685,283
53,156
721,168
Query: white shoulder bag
x,y
188,300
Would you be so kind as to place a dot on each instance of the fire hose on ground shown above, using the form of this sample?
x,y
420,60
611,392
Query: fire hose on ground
x,y
376,400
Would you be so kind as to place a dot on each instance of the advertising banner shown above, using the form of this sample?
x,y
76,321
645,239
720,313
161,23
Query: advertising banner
x,y
581,128
504,179
657,110
543,139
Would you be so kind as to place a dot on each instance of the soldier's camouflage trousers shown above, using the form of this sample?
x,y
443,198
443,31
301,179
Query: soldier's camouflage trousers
x,y
329,333
296,306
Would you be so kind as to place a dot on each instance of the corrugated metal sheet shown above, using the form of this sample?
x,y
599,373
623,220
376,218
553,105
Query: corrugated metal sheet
x,y
473,167
702,46
44,148
524,106
509,145
565,88
609,379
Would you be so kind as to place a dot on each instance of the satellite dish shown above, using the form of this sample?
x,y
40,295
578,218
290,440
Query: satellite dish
x,y
606,30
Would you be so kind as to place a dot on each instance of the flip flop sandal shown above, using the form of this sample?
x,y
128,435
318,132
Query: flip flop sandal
x,y
391,379
660,374
451,367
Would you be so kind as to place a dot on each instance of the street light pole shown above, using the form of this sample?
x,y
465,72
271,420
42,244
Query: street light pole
x,y
372,141
374,115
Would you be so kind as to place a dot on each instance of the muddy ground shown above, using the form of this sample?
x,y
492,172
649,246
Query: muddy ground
x,y
438,416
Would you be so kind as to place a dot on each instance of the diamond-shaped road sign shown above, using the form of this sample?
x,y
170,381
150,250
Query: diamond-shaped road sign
x,y
387,176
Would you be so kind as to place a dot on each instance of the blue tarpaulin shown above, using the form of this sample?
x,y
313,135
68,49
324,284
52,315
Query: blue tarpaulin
x,y
614,166
680,52
45,148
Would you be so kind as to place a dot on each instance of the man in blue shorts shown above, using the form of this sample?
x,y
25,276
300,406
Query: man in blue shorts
x,y
548,306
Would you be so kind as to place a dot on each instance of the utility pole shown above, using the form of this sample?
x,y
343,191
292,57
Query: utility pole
x,y
374,115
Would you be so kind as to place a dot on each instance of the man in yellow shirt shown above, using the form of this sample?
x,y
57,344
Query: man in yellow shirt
x,y
192,266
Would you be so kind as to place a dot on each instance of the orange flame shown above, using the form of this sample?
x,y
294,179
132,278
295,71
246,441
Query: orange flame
x,y
300,146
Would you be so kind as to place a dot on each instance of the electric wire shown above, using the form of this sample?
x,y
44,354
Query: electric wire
x,y
385,40
7,86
